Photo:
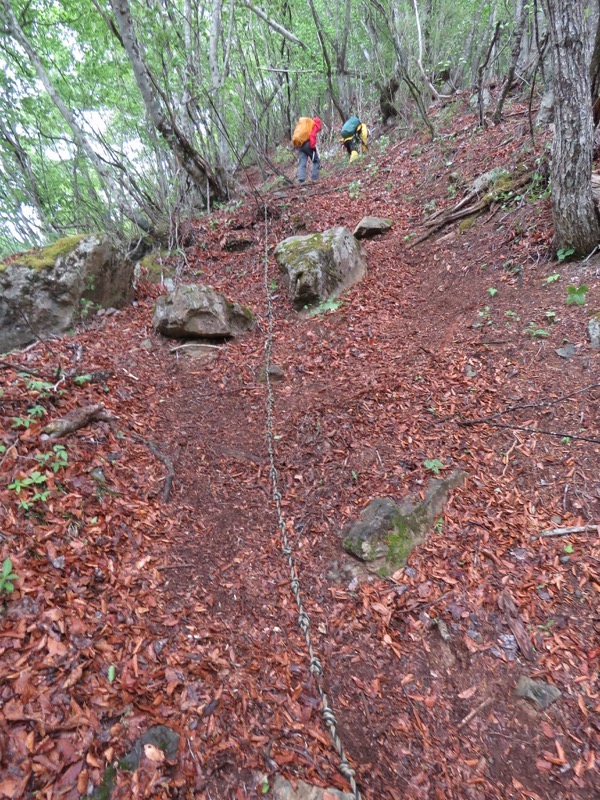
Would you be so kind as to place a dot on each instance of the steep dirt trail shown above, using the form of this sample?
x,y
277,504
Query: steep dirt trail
x,y
190,599
355,413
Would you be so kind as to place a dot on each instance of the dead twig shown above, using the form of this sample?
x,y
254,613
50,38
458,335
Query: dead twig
x,y
474,712
561,434
567,531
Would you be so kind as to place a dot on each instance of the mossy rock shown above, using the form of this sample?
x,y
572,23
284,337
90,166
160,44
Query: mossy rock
x,y
387,532
44,257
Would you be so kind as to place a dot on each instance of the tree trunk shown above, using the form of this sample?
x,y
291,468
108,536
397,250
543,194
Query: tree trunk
x,y
575,217
520,17
104,172
191,161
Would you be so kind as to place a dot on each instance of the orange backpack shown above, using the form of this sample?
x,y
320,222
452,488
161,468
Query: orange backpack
x,y
302,131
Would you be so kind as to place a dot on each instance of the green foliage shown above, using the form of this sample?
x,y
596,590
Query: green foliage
x,y
354,189
7,576
35,478
59,455
551,278
332,304
434,465
35,498
492,292
535,332
111,673
22,422
576,295
564,253
568,548
81,380
86,307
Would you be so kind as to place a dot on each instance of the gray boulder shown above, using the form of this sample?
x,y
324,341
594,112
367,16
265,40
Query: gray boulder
x,y
387,532
320,266
198,311
43,291
372,226
594,331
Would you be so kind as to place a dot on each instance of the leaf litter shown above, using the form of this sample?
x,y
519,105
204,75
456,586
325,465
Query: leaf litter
x,y
130,613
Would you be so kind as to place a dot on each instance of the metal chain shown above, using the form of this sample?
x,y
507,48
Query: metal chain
x,y
316,667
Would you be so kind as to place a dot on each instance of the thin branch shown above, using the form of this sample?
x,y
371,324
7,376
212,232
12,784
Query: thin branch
x,y
567,531
562,435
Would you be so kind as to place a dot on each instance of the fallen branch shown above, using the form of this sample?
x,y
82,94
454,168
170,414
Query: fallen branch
x,y
195,344
484,191
474,712
562,434
78,418
567,531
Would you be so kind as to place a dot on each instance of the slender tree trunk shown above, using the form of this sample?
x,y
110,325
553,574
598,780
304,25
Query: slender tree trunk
x,y
103,170
520,18
197,167
575,216
424,75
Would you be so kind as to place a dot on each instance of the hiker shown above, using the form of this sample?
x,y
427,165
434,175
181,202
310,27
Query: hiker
x,y
354,137
304,140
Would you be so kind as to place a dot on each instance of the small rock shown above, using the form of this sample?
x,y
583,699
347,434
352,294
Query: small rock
x,y
444,632
276,373
520,553
283,790
59,562
567,351
540,692
372,226
98,475
594,331
475,636
509,646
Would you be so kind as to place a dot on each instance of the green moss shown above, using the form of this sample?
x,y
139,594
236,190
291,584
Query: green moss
x,y
104,791
155,264
44,257
467,223
400,544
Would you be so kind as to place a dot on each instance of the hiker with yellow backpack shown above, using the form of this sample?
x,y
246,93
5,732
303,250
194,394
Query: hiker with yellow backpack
x,y
304,140
354,137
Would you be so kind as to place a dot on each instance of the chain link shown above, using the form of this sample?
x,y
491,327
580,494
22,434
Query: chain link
x,y
316,667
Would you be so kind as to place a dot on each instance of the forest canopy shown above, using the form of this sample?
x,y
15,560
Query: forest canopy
x,y
125,116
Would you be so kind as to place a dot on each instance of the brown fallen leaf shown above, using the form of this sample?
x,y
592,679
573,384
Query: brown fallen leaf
x,y
153,753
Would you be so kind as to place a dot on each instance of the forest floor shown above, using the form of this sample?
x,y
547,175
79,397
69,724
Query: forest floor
x,y
131,612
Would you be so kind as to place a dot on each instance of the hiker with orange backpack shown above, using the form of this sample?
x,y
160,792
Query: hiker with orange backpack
x,y
354,137
304,140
